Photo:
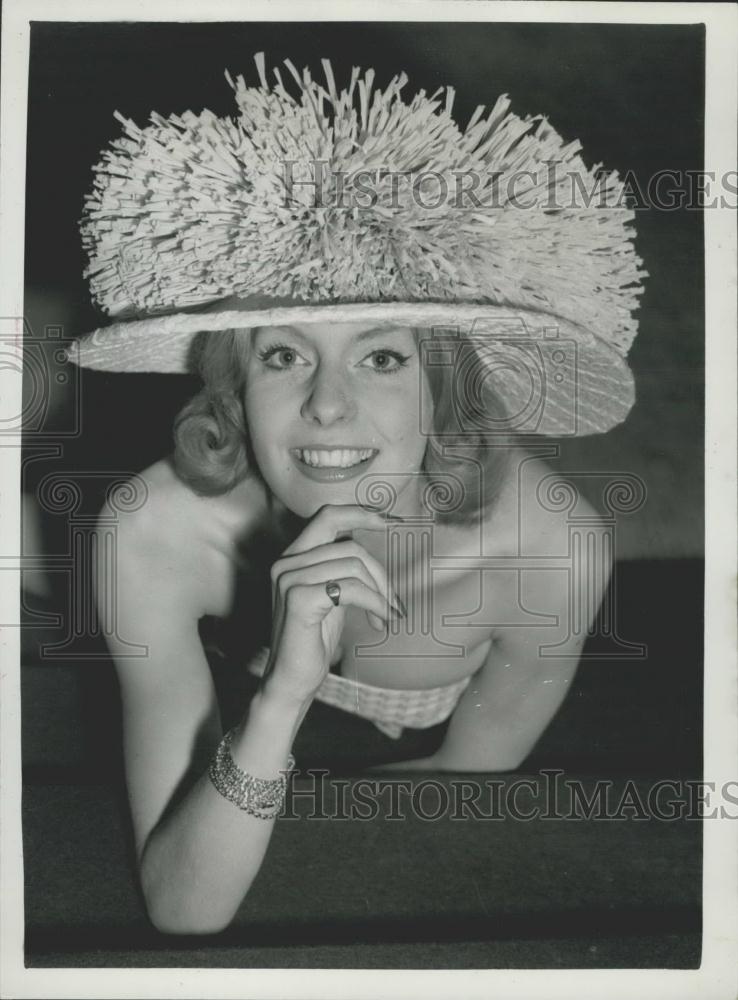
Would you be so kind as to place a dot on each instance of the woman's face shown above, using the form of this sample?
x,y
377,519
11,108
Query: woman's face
x,y
329,403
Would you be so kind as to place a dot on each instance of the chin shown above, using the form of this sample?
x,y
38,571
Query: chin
x,y
306,501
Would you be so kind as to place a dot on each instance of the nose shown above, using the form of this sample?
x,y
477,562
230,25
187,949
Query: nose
x,y
329,399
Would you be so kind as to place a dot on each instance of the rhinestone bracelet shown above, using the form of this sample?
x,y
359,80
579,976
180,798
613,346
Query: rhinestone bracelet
x,y
261,797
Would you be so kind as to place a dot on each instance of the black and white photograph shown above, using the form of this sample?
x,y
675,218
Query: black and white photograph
x,y
368,511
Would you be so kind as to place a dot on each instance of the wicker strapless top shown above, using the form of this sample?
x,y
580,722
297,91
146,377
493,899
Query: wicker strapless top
x,y
390,709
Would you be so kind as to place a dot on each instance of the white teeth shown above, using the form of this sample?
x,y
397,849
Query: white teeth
x,y
341,458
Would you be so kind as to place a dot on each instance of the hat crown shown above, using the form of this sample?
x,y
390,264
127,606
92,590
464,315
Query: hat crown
x,y
358,196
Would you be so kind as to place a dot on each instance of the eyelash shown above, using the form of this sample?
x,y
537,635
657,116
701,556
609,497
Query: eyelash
x,y
402,359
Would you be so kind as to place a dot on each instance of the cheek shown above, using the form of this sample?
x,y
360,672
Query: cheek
x,y
403,414
261,418
417,405
269,399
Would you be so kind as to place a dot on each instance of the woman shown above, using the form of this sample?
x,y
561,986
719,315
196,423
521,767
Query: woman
x,y
326,387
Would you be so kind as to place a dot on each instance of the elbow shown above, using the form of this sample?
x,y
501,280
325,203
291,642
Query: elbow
x,y
168,918
169,923
171,909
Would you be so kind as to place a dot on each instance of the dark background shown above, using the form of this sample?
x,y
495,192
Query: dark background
x,y
632,94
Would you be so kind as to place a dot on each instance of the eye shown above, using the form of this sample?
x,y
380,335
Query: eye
x,y
389,362
288,356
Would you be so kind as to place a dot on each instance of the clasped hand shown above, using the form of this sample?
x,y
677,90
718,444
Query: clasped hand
x,y
307,625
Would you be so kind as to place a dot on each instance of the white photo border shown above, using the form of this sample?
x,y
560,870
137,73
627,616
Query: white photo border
x,y
717,974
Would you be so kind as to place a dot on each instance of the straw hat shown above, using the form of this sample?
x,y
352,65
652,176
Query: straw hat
x,y
320,205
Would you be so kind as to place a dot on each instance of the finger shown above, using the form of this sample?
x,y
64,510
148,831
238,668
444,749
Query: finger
x,y
311,603
331,551
337,569
333,519
330,569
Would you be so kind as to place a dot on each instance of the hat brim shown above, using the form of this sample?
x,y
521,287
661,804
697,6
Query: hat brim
x,y
588,386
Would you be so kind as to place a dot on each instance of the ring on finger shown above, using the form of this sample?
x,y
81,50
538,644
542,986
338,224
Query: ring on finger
x,y
333,590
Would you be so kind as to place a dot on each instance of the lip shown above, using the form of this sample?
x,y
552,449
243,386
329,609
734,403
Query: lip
x,y
334,474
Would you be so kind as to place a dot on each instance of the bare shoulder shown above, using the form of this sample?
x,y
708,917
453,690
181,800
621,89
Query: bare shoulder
x,y
535,509
180,541
537,515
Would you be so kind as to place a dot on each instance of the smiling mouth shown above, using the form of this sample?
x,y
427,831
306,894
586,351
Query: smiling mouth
x,y
334,458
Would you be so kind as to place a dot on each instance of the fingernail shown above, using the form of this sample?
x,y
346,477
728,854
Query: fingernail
x,y
375,622
400,607
392,517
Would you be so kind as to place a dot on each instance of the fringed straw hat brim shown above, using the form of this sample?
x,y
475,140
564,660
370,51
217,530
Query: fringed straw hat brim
x,y
195,225
553,377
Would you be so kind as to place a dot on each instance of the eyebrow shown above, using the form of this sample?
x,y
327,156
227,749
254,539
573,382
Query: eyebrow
x,y
365,335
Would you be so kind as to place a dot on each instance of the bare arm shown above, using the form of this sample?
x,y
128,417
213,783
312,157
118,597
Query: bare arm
x,y
197,853
515,694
